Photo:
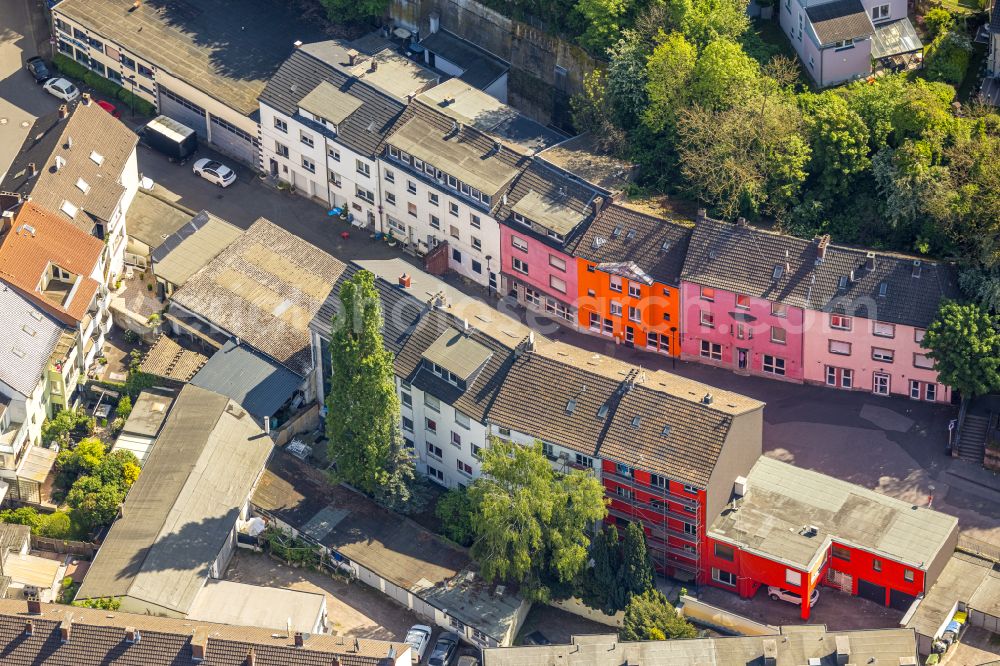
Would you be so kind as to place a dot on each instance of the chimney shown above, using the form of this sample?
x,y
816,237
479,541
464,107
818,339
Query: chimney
x,y
336,661
32,170
299,639
297,43
702,215
770,652
598,205
821,246
465,326
132,635
199,644
852,275
63,112
136,5
64,627
435,19
374,65
251,659
531,341
870,261
29,628
405,280
85,99
34,607
352,57
741,222
843,650
707,399
267,425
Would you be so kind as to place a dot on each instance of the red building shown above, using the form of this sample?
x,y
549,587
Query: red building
x,y
800,530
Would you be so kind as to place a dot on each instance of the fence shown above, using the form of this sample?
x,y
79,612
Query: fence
x,y
78,548
979,548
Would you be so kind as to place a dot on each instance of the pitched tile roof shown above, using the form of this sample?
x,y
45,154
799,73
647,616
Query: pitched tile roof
x,y
94,149
655,245
840,20
97,637
265,288
362,130
787,269
38,238
550,199
29,338
201,44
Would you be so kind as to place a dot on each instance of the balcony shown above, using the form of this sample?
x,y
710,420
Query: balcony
x,y
662,510
659,531
652,490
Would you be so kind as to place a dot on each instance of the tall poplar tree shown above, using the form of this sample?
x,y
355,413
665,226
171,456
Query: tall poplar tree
x,y
362,421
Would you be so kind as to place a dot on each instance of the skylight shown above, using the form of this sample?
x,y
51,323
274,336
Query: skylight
x,y
571,406
82,185
68,208
666,431
96,158
882,289
602,411
842,283
779,270
635,421
30,331
665,246
616,232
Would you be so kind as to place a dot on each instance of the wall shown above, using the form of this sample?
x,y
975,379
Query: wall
x,y
540,270
817,355
703,613
580,609
840,65
739,453
306,420
727,327
861,565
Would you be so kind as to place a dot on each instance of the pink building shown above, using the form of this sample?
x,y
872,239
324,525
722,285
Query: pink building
x,y
544,211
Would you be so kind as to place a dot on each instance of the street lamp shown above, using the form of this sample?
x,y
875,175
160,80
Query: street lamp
x,y
673,348
489,287
131,101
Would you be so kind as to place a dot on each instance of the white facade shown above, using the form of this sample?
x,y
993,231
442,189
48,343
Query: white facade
x,y
311,159
424,215
20,426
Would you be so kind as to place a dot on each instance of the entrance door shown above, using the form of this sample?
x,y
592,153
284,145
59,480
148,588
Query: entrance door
x,y
629,334
880,384
742,358
274,167
493,281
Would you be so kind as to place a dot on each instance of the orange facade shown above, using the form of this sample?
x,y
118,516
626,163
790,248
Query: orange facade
x,y
633,312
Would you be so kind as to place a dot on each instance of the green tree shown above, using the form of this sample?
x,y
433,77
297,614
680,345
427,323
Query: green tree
x,y
938,21
66,424
120,468
94,502
724,76
355,11
839,140
983,286
626,78
637,568
124,407
100,603
965,344
947,57
603,21
530,523
455,512
81,459
24,515
668,74
706,21
56,525
649,616
363,416
875,103
593,112
598,586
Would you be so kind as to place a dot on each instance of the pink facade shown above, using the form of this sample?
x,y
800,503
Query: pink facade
x,y
866,355
740,332
526,261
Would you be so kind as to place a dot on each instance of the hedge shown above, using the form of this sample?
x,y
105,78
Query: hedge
x,y
106,87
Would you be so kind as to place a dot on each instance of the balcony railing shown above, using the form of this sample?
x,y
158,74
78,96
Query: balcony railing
x,y
657,530
662,510
652,490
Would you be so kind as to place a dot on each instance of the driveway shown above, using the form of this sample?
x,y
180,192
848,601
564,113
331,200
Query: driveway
x,y
354,609
21,99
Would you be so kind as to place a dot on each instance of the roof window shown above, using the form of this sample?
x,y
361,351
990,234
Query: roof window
x,y
82,185
636,420
96,158
68,208
602,411
571,406
779,270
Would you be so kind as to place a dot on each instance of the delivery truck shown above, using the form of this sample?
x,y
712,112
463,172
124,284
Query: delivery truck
x,y
176,141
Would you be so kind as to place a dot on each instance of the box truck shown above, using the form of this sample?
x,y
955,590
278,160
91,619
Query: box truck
x,y
170,137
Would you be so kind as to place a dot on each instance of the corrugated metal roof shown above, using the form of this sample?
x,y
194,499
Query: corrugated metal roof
x,y
260,385
192,247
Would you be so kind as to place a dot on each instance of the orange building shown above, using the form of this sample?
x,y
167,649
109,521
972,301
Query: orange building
x,y
629,265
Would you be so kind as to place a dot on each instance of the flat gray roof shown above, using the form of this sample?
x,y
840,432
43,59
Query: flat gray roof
x,y
180,512
479,67
192,247
148,413
782,499
549,213
151,220
964,578
394,75
585,159
330,102
457,353
228,602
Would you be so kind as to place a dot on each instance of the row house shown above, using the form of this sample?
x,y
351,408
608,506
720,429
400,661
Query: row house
x,y
809,311
838,40
447,167
321,131
540,218
80,163
827,533
629,265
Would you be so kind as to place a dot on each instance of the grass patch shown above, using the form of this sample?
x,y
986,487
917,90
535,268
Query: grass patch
x,y
970,83
963,6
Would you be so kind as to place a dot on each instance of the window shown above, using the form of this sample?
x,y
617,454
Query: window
x,y
306,138
453,231
616,284
411,208
842,553
334,155
840,347
397,226
707,294
923,361
389,176
634,290
883,330
406,399
519,266
407,424
519,243
435,222
779,309
707,319
456,439
435,473
363,168
557,284
432,403
477,244
840,322
143,70
595,321
793,577
432,427
456,255
476,266
476,222
434,450
880,12
462,420
432,198
128,62
477,452
281,149
308,164
930,392
453,208
557,263
724,552
711,350
724,577
778,335
918,335
657,481
419,164
908,575
464,468
622,491
532,296
881,354
691,490
411,187
634,314
616,309
845,44
774,365
362,193
842,376
335,178
584,461
915,389
691,529
743,301
279,124
390,198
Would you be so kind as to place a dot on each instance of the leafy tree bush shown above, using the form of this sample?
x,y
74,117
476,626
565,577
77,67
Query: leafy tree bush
x,y
74,70
354,11
81,459
66,424
56,525
455,511
621,569
947,57
124,407
964,342
24,515
649,616
938,21
100,603
94,502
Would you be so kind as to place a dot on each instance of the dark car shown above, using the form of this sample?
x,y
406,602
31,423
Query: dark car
x,y
536,638
444,650
38,69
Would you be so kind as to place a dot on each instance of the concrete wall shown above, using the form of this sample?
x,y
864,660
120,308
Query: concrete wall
x,y
703,613
742,449
578,608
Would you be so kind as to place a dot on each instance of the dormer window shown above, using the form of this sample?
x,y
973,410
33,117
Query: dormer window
x,y
456,358
522,219
69,209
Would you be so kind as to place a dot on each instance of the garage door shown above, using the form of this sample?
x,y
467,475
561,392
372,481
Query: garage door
x,y
183,111
900,600
871,591
234,142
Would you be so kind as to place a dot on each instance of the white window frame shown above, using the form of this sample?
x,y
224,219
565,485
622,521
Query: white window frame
x,y
519,265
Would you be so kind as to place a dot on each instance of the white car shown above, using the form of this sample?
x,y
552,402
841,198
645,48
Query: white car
x,y
418,638
62,89
214,172
779,594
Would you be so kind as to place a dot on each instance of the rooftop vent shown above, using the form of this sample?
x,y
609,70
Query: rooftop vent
x,y
778,271
707,399
636,420
665,246
917,267
809,531
69,143
60,162
27,228
666,431
870,261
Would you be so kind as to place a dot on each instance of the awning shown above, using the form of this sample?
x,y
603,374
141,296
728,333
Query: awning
x,y
895,38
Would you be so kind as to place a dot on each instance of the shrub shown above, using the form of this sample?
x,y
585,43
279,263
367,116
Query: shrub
x,y
124,407
55,526
21,516
455,512
948,57
101,603
938,20
69,67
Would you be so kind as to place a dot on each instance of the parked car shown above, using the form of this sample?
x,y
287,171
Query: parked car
x,y
214,172
467,660
779,594
418,638
38,69
61,88
110,108
536,638
444,650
